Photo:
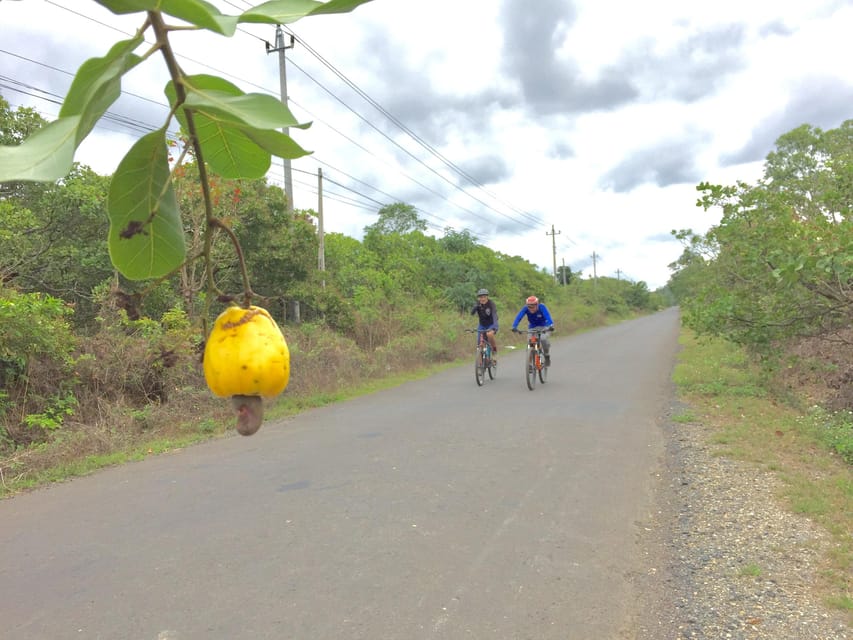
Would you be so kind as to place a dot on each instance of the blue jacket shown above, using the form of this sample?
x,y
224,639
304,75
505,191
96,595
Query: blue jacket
x,y
539,318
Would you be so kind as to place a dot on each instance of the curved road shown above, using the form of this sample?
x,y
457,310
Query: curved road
x,y
433,510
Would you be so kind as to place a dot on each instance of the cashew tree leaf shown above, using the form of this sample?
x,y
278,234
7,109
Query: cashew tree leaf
x,y
286,11
121,7
201,14
196,12
207,16
97,84
236,131
337,6
146,238
229,152
277,143
224,101
46,156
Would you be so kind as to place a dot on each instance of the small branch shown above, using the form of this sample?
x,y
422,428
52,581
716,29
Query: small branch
x,y
162,31
247,289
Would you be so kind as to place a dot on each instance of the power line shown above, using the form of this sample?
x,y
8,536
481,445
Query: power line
x,y
423,143
403,149
127,122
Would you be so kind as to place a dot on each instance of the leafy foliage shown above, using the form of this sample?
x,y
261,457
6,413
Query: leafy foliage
x,y
779,264
190,223
36,358
232,132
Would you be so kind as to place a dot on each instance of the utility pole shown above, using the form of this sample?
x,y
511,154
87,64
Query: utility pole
x,y
321,250
594,274
554,235
619,275
280,47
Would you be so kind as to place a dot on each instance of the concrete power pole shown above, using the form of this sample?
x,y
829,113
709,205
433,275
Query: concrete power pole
x,y
554,235
280,47
321,249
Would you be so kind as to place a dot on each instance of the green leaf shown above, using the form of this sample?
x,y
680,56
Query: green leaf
x,y
97,84
277,143
196,12
120,7
201,14
146,238
337,6
46,156
235,151
222,100
253,109
229,152
236,131
286,11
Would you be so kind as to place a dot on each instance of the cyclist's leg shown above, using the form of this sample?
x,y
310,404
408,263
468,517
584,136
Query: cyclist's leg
x,y
490,336
546,348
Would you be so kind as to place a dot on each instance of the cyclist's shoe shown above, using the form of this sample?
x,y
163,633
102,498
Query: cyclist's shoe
x,y
547,361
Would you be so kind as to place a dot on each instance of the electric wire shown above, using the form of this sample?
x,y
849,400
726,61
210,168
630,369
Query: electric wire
x,y
423,143
409,153
131,124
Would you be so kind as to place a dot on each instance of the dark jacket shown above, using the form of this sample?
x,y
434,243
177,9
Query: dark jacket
x,y
488,314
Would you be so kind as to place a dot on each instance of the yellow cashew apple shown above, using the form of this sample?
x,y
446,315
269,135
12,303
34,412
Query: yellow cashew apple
x,y
246,358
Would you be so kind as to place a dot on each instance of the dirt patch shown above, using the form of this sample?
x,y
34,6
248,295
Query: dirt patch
x,y
823,368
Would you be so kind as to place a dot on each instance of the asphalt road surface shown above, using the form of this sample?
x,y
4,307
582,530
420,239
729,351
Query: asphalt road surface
x,y
437,509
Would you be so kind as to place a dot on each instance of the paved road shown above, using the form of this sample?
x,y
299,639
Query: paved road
x,y
434,510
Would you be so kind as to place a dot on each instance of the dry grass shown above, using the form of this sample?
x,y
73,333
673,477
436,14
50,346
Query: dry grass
x,y
118,418
130,405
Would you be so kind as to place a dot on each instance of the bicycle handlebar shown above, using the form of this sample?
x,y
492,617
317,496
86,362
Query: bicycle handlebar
x,y
536,330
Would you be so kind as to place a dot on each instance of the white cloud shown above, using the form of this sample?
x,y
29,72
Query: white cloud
x,y
600,116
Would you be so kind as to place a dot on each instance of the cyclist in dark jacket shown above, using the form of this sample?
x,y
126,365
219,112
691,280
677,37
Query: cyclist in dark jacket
x,y
537,316
488,315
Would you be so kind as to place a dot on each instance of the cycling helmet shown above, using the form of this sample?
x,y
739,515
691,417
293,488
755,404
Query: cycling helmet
x,y
483,292
533,300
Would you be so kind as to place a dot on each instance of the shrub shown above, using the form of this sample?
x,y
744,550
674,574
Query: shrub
x,y
36,364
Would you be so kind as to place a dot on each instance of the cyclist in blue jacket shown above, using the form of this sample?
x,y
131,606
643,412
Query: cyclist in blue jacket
x,y
487,313
537,316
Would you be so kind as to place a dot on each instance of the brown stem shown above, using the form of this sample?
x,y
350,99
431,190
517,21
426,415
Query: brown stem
x,y
247,289
161,30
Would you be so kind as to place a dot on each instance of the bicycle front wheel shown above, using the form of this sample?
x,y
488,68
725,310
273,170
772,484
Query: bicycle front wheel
x,y
480,368
530,369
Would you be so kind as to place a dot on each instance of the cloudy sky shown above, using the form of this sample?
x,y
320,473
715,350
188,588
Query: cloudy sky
x,y
507,118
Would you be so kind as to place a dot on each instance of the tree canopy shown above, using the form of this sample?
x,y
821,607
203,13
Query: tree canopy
x,y
779,263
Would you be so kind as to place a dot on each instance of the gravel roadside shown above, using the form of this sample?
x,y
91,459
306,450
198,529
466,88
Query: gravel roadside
x,y
731,561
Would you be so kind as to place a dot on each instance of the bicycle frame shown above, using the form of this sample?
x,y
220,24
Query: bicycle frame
x,y
483,359
534,364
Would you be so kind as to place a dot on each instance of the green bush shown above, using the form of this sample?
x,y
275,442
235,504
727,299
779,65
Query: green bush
x,y
36,364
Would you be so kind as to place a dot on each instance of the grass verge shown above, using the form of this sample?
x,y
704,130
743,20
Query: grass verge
x,y
807,451
73,454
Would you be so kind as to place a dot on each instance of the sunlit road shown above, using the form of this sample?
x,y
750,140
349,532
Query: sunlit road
x,y
438,509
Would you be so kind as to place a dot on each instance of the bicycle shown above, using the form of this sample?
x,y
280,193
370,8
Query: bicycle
x,y
483,362
534,364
